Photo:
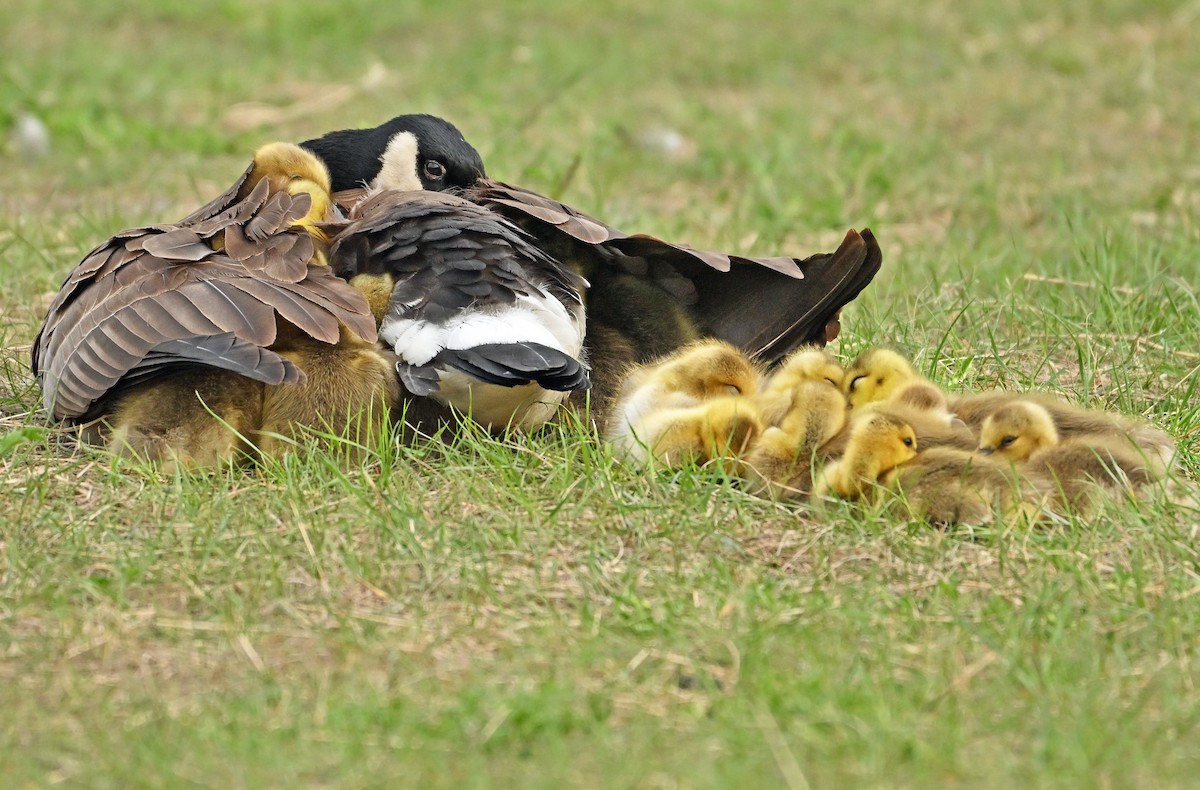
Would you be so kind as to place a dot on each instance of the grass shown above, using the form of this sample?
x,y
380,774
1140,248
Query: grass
x,y
523,612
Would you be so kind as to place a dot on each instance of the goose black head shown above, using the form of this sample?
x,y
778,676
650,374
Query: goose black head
x,y
409,152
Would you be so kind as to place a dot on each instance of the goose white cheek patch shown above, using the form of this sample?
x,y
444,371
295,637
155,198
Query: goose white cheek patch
x,y
398,168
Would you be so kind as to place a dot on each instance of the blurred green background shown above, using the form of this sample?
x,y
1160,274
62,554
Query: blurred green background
x,y
527,614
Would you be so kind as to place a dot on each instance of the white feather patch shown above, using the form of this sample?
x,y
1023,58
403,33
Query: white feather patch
x,y
538,319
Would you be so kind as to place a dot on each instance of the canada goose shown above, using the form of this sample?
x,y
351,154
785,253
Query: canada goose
x,y
231,311
947,486
647,297
1025,432
881,380
878,443
409,153
780,392
694,405
918,406
1070,421
878,374
781,461
481,319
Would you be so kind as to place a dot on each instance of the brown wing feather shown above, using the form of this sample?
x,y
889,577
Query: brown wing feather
x,y
347,199
158,297
508,199
180,244
214,220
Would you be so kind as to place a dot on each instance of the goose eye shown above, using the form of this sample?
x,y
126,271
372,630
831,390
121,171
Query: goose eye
x,y
854,382
908,442
1007,441
733,389
435,170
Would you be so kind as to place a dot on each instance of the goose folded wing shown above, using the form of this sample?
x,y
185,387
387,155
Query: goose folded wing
x,y
769,316
446,254
118,251
148,300
514,364
520,204
471,292
767,306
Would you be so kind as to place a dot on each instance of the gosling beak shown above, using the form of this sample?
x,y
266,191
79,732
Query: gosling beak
x,y
984,451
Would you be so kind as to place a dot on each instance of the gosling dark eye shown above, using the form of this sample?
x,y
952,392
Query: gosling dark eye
x,y
1007,441
854,382
435,170
908,442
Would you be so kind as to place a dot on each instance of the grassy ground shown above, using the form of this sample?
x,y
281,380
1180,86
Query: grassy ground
x,y
523,613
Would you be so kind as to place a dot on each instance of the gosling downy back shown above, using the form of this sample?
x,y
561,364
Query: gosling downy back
x,y
947,486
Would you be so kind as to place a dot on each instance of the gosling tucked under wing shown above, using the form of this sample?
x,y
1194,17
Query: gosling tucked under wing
x,y
480,318
206,290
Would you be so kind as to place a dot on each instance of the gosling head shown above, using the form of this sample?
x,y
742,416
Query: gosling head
x,y
884,439
1017,430
288,168
708,370
813,364
877,375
